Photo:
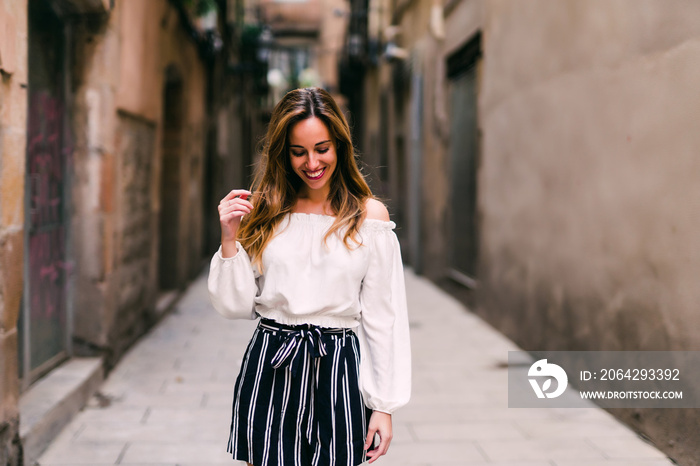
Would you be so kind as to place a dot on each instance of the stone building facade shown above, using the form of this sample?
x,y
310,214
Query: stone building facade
x,y
13,113
115,158
542,154
139,161
110,114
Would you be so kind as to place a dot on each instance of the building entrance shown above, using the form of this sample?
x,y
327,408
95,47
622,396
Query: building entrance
x,y
44,321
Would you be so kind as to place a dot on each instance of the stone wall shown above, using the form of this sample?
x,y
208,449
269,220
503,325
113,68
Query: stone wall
x,y
13,97
93,222
586,202
594,237
118,120
178,55
118,60
590,151
134,289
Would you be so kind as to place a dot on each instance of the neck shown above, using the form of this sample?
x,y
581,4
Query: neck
x,y
316,196
313,202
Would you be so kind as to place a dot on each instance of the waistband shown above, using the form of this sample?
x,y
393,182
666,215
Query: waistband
x,y
269,324
298,341
322,320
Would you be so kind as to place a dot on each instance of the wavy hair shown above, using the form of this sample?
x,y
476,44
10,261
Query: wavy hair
x,y
276,186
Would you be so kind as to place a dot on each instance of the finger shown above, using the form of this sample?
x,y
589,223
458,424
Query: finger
x,y
243,202
384,441
236,201
235,193
373,455
383,445
370,437
234,204
234,207
233,213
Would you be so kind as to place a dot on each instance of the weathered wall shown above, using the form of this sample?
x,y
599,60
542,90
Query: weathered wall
x,y
587,195
133,284
13,114
595,141
588,191
178,52
462,21
121,68
404,82
330,42
95,50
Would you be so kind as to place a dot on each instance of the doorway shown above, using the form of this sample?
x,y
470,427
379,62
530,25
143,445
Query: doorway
x,y
463,164
44,321
170,254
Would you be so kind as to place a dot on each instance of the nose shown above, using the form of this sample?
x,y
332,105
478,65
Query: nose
x,y
312,162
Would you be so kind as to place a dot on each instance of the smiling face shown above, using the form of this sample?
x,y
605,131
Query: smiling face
x,y
313,156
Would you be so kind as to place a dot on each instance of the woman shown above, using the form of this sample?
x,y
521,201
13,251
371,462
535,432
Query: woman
x,y
314,255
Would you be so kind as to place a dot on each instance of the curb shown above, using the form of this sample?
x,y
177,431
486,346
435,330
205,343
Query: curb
x,y
49,405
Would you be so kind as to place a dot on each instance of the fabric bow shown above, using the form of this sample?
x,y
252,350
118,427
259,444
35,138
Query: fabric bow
x,y
289,354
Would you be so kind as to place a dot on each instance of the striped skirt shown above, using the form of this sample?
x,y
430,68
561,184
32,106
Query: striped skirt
x,y
297,399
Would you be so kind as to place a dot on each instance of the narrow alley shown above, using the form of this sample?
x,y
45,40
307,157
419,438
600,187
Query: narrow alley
x,y
168,400
539,159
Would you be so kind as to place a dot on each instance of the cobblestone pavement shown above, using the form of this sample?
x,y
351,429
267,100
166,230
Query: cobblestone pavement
x,y
168,401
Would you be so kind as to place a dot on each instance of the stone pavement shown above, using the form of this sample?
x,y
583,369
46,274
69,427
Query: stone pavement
x,y
168,401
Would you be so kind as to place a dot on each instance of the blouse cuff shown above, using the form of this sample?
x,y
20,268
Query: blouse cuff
x,y
385,411
220,255
232,285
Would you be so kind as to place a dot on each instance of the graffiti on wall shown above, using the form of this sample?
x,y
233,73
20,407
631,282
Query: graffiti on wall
x,y
47,159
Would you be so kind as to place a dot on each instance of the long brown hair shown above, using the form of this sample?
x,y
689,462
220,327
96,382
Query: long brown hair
x,y
276,185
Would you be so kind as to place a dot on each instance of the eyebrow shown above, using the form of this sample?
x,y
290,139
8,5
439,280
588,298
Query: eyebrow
x,y
317,144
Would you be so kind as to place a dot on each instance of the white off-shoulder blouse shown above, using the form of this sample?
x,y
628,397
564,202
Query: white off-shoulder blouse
x,y
305,280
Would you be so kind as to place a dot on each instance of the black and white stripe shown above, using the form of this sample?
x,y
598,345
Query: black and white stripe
x,y
309,410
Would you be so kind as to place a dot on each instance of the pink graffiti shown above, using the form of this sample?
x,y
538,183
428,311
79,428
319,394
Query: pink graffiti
x,y
47,156
47,273
47,159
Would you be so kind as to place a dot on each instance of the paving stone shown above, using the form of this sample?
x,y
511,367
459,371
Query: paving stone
x,y
228,462
176,452
521,463
421,453
193,432
574,428
72,453
499,463
466,431
539,449
613,462
625,448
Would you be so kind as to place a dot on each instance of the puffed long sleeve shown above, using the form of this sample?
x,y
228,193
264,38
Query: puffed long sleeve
x,y
232,285
386,375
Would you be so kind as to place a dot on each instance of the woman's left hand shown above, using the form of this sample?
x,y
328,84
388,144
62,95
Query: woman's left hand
x,y
379,423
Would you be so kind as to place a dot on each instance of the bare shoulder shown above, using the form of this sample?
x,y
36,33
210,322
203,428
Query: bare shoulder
x,y
376,210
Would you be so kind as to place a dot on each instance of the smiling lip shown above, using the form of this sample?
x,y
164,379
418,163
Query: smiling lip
x,y
319,174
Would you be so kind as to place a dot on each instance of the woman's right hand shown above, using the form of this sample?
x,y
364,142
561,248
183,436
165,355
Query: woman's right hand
x,y
232,208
